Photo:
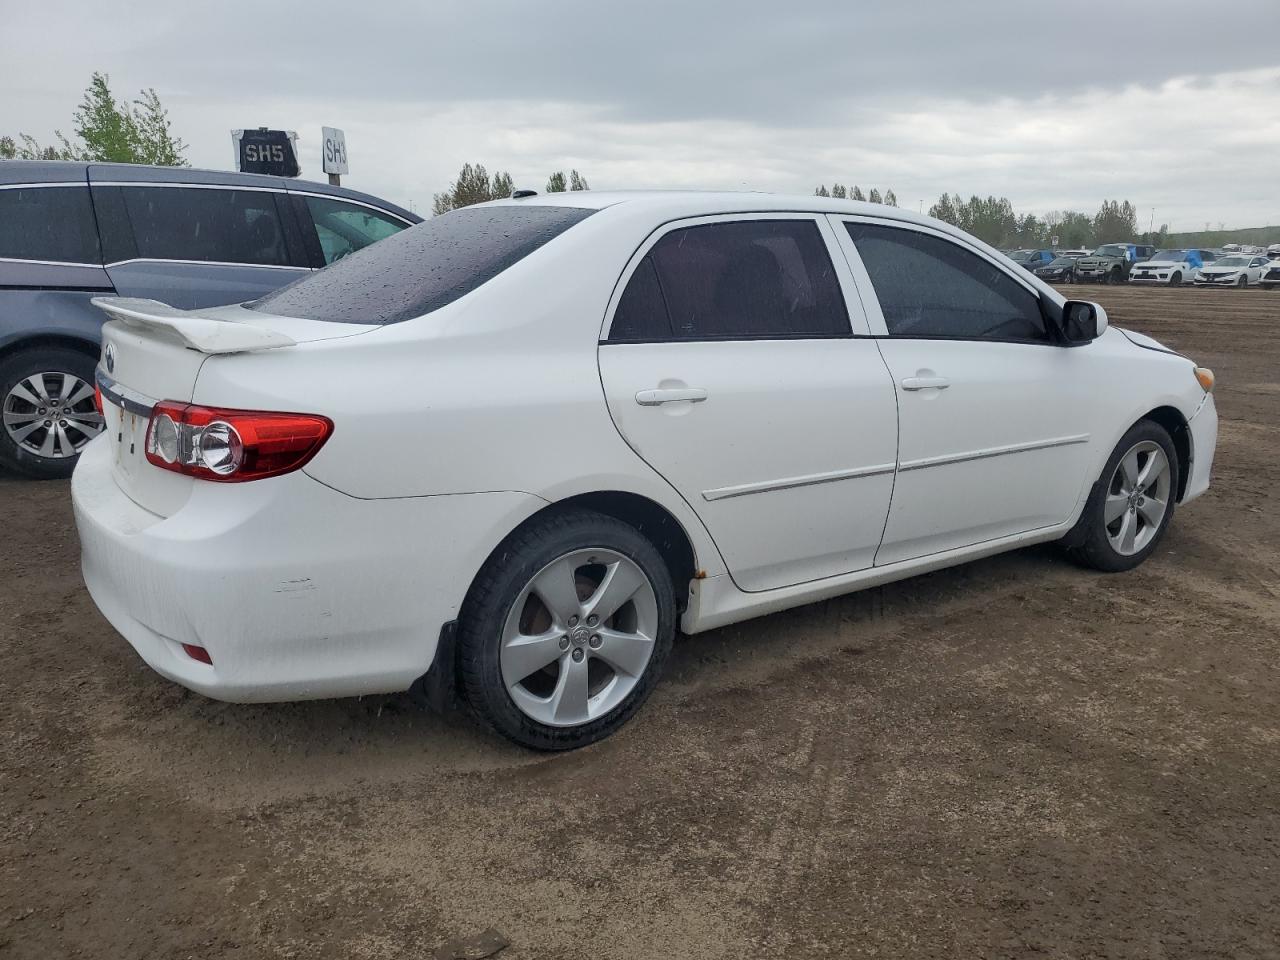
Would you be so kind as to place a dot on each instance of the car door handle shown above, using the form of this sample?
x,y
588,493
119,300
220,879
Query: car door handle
x,y
924,383
652,398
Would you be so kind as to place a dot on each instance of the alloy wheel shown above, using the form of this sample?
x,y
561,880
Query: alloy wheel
x,y
578,638
1137,498
51,415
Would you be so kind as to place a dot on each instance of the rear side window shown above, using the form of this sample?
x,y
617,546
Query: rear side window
x,y
423,268
931,287
343,228
48,223
206,224
747,279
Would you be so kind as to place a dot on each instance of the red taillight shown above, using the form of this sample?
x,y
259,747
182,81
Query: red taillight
x,y
231,446
97,397
198,653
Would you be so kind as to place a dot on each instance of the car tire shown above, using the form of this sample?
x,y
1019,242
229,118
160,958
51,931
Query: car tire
x,y
1242,281
1115,276
22,433
1175,280
1101,537
578,695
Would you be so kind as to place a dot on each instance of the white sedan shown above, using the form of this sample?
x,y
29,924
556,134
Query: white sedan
x,y
510,452
1236,270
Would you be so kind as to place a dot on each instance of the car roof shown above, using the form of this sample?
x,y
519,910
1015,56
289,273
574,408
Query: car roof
x,y
75,171
673,204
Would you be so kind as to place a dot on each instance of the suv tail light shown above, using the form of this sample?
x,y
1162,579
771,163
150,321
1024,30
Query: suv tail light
x,y
231,446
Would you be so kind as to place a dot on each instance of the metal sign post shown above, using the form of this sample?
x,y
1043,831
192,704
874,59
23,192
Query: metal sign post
x,y
333,155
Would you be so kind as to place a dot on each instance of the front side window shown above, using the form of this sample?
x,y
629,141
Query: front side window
x,y
933,288
206,224
344,228
48,223
425,267
740,280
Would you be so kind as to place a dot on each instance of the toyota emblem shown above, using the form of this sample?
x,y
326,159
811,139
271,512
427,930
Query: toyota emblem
x,y
109,357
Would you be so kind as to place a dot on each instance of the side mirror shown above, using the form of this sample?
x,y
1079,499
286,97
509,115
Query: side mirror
x,y
1082,321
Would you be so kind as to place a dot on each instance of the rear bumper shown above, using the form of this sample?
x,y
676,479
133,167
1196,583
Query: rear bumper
x,y
1204,443
296,591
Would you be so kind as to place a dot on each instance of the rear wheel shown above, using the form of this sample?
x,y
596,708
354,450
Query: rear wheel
x,y
1132,504
46,400
566,630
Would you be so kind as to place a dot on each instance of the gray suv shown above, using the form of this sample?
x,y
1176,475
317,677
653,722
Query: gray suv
x,y
192,238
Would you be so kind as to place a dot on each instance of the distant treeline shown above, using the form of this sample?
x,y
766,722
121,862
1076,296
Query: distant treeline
x,y
1258,236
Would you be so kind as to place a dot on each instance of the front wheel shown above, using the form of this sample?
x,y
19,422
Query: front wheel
x,y
566,630
1132,503
1115,276
1242,281
1175,280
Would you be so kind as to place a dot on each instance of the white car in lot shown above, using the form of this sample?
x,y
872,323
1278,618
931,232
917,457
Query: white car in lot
x,y
1170,267
1235,270
1270,278
510,451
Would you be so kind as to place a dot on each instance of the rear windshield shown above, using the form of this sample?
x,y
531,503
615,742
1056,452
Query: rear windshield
x,y
423,268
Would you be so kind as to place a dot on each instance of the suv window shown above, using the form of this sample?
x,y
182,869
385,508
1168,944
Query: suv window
x,y
424,268
48,223
746,279
931,287
215,224
344,228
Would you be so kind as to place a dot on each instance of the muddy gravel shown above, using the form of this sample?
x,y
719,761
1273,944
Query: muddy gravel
x,y
1012,758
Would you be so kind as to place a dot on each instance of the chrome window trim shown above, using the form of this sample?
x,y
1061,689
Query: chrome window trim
x,y
210,263
54,263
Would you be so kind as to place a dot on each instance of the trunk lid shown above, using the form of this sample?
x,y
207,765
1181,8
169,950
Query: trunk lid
x,y
152,352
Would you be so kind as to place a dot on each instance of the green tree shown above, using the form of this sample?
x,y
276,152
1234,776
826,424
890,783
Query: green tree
x,y
874,196
822,191
556,183
472,186
1115,221
890,200
945,210
153,139
839,192
856,193
111,131
577,181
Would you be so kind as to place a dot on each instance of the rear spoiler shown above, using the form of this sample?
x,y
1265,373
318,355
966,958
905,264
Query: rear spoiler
x,y
194,329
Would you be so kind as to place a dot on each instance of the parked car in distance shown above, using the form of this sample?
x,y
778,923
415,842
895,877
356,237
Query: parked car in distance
x,y
1170,267
1236,270
1109,263
593,418
194,238
1058,270
1031,259
1074,254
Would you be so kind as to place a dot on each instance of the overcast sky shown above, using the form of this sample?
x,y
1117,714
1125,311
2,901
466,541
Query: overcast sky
x,y
1173,105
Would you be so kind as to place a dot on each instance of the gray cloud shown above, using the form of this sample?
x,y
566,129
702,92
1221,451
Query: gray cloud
x,y
1049,104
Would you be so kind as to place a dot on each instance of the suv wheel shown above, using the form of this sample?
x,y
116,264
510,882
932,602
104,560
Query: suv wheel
x,y
1115,276
1176,279
566,630
47,405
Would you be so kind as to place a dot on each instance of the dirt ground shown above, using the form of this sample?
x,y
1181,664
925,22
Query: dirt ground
x,y
1013,758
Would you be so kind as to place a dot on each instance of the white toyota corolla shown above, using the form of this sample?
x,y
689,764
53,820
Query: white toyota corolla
x,y
510,451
